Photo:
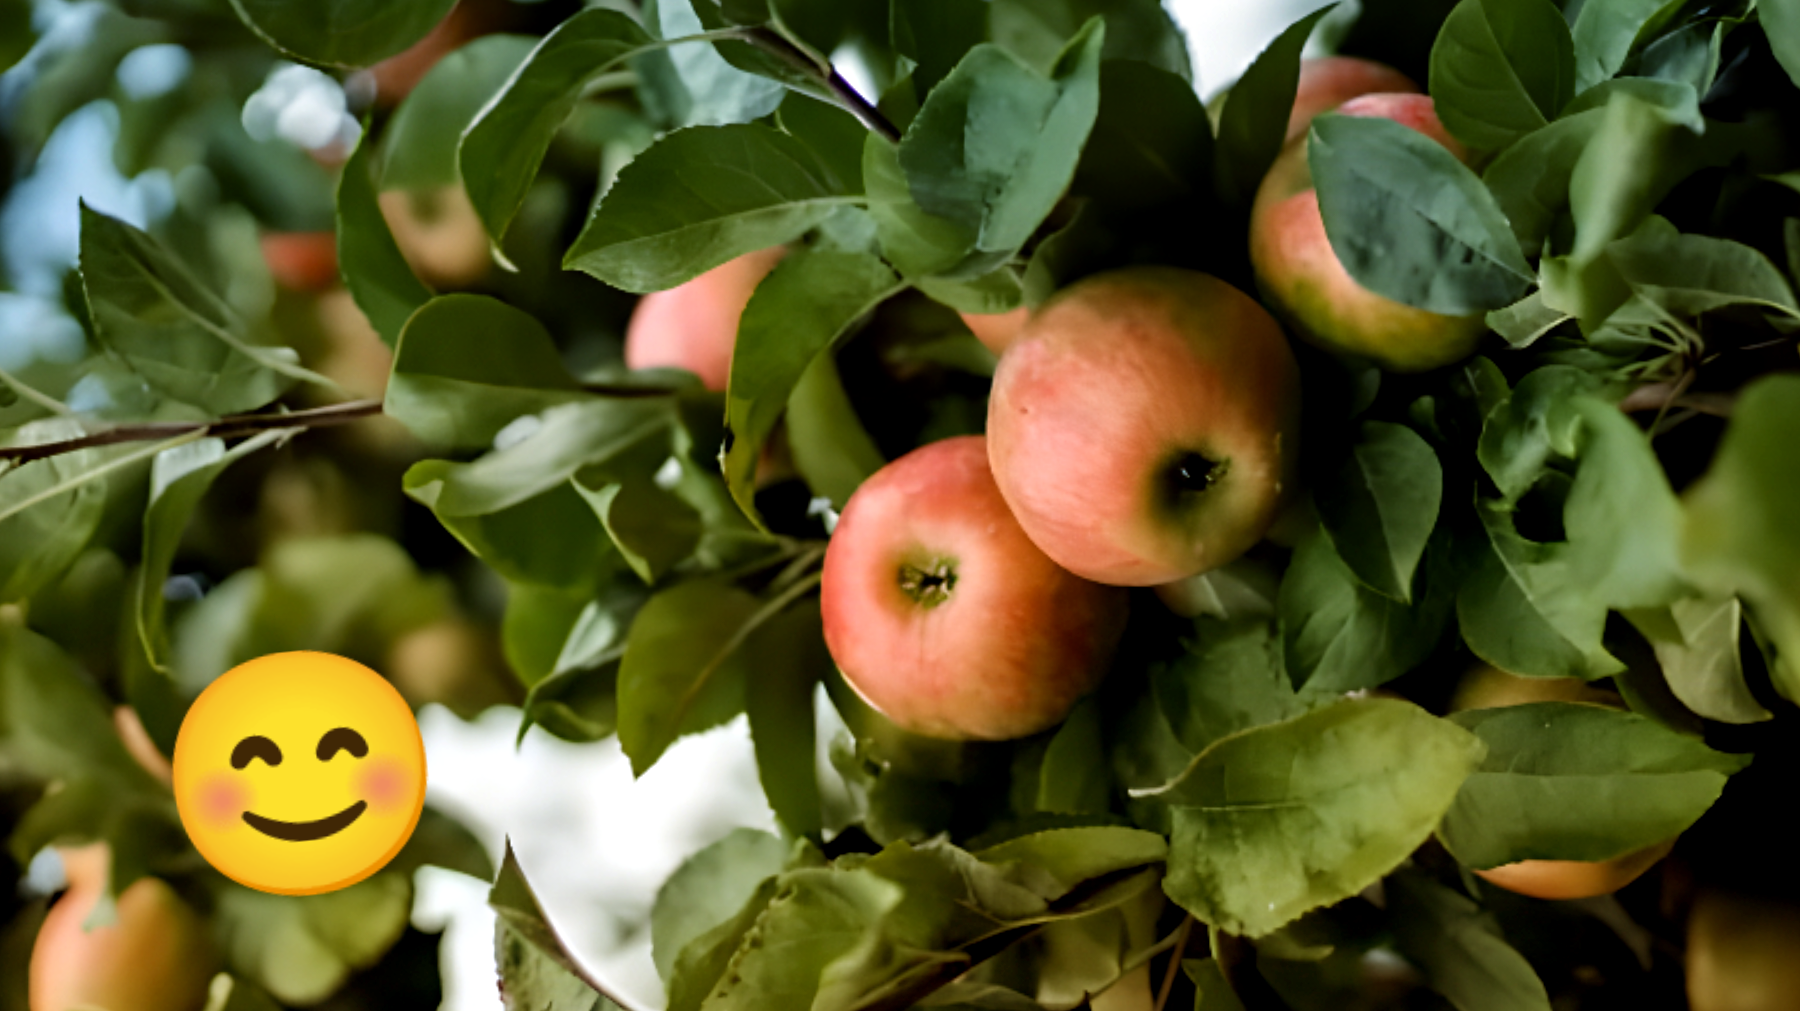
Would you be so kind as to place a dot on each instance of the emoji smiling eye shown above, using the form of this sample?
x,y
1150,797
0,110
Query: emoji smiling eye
x,y
342,739
255,747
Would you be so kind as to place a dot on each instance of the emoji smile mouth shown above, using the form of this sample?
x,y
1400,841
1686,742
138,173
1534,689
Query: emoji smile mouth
x,y
306,831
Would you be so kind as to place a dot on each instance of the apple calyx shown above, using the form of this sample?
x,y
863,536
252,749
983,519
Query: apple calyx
x,y
1194,474
930,584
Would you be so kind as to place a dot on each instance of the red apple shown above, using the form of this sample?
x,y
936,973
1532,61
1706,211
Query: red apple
x,y
944,616
301,261
1330,81
157,955
694,326
1301,277
996,330
1145,425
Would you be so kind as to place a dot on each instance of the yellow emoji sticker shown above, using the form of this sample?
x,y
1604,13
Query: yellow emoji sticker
x,y
299,773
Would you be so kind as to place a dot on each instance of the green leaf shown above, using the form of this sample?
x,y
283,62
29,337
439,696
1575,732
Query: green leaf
x,y
1525,321
181,338
832,134
798,312
714,90
1606,31
1530,179
439,840
1739,537
832,450
1135,30
996,143
704,959
1692,274
1253,125
179,478
1054,862
779,702
1531,426
1380,506
700,197
653,529
1340,635
54,723
1073,778
551,539
535,969
935,35
1696,644
1781,21
1286,818
302,949
1151,143
341,33
1566,781
708,889
16,36
1622,519
1460,948
684,668
917,242
1501,69
1690,55
419,145
1522,609
502,150
48,512
466,366
1229,679
1409,221
378,276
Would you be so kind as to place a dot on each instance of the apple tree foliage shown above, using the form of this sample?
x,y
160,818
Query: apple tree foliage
x,y
1606,491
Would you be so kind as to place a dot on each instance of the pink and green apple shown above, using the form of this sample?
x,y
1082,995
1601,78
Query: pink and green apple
x,y
694,325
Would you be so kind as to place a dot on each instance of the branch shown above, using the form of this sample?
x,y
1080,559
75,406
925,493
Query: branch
x,y
224,428
772,42
1662,396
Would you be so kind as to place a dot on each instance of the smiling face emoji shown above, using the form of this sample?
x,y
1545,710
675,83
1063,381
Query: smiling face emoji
x,y
299,773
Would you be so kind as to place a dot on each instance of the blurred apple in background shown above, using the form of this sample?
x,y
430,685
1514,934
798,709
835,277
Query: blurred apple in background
x,y
1329,81
694,326
944,616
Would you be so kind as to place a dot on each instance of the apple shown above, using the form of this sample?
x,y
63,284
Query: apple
x,y
1488,687
1144,427
996,330
1330,81
1743,953
157,955
694,325
1301,278
301,261
439,233
944,616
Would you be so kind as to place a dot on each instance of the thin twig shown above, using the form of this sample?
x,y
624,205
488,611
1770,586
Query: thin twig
x,y
1168,983
1661,396
770,41
224,428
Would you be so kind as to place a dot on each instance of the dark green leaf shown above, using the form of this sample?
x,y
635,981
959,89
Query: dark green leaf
x,y
441,841
653,529
810,300
419,145
1622,519
1530,179
1526,320
914,240
551,539
53,722
466,366
1781,20
1151,142
704,959
1135,30
700,197
1740,537
684,668
342,33
708,889
579,705
1409,221
996,144
16,36
1286,818
1565,781
1501,69
184,340
1339,635
1692,274
715,89
1229,679
1531,426
536,971
503,148
1254,122
935,35
1696,644
49,508
1073,778
832,450
1380,506
1606,31
378,276
302,949
832,134
1690,55
1460,948
779,701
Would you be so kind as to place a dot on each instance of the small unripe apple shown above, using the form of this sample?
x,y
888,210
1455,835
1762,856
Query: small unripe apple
x,y
157,955
439,233
944,616
996,330
1145,425
1300,275
1488,687
1330,81
694,325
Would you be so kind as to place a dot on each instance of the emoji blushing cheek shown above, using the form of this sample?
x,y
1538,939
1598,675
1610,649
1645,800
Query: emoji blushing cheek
x,y
384,785
223,799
